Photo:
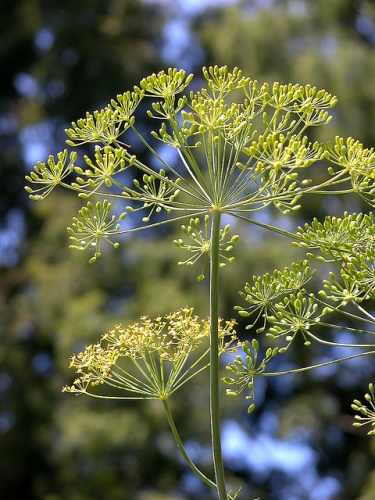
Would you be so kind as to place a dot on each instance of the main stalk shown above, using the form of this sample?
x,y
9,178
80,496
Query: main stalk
x,y
214,357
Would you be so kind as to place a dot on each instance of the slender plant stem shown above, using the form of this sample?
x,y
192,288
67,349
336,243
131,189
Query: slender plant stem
x,y
181,447
214,357
319,365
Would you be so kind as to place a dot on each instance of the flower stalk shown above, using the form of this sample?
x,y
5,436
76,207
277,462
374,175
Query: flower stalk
x,y
181,447
214,356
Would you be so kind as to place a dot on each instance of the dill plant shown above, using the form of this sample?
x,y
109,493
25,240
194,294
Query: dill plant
x,y
240,147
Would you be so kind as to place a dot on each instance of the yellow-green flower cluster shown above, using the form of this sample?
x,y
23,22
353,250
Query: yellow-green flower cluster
x,y
149,358
366,411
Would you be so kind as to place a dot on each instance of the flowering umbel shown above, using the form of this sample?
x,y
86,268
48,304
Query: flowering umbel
x,y
366,411
228,150
149,359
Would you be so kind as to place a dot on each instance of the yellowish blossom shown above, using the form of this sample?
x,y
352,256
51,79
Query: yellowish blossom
x,y
149,358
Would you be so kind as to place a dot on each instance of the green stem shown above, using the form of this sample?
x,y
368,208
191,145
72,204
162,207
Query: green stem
x,y
319,365
214,357
177,438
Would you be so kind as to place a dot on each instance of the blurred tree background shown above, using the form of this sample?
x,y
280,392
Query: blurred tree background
x,y
59,59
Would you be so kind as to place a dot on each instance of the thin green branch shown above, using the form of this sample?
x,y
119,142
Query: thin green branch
x,y
197,193
162,222
185,377
264,225
312,367
181,447
369,319
338,344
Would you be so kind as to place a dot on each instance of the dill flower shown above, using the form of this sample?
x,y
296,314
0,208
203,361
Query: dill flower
x,y
149,358
366,411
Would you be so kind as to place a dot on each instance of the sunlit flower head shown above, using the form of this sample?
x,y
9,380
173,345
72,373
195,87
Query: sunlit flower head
x,y
149,357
